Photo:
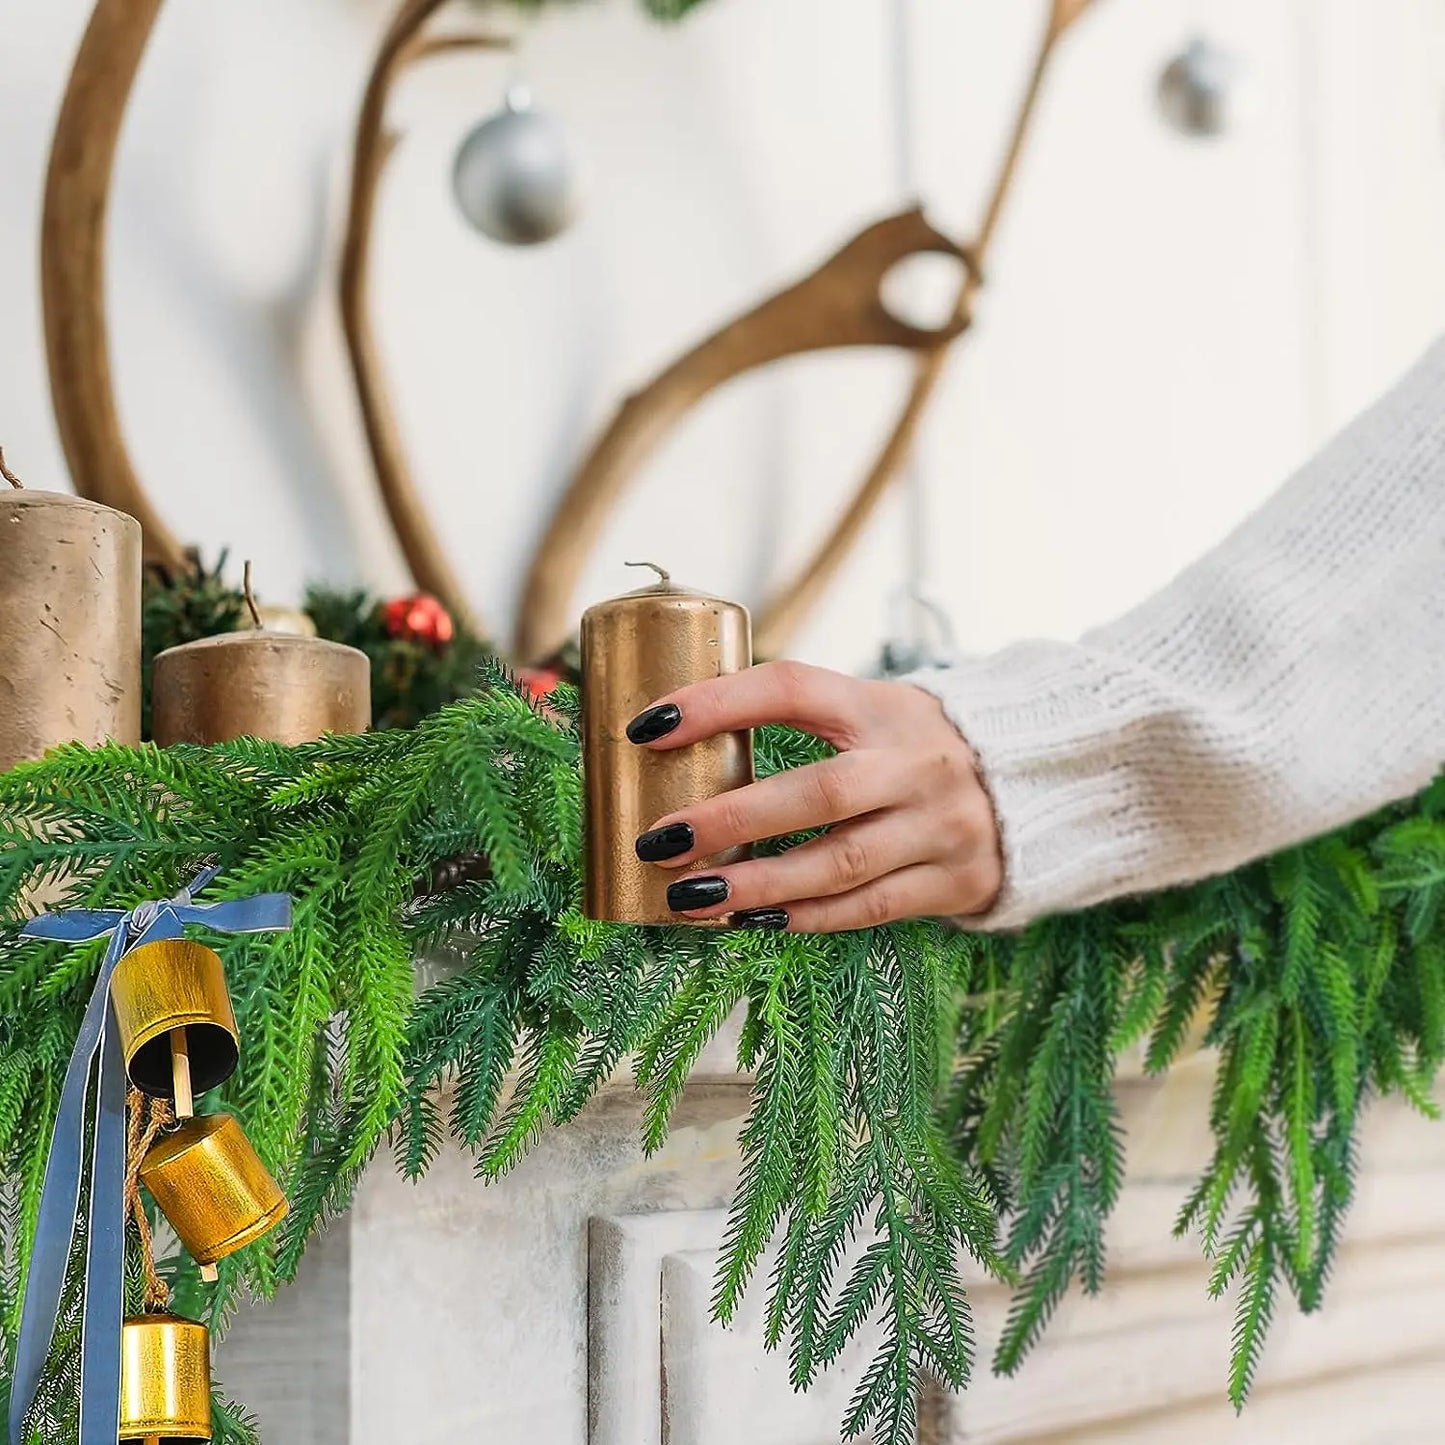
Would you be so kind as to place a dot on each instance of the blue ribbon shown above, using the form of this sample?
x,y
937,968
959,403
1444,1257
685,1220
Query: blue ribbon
x,y
103,1302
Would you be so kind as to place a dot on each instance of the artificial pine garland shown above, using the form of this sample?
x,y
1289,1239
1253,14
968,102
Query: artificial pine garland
x,y
933,1091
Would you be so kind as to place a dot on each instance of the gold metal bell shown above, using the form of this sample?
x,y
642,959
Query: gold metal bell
x,y
165,1380
177,1027
212,1186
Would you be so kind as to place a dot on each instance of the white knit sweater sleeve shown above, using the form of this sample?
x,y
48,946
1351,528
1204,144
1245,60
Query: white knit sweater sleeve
x,y
1290,681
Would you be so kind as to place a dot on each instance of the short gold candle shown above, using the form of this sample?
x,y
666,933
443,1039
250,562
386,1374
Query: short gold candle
x,y
635,649
259,684
70,580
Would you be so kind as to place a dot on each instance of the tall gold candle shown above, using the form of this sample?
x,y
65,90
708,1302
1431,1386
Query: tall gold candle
x,y
635,649
70,580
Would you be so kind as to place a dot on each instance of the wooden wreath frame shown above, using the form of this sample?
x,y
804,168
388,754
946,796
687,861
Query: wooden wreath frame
x,y
402,45
839,304
72,268
72,253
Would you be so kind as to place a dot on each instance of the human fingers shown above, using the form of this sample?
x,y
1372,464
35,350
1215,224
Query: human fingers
x,y
921,891
839,861
827,704
815,796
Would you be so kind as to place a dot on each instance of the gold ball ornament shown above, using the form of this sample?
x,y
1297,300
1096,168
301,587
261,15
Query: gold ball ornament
x,y
288,621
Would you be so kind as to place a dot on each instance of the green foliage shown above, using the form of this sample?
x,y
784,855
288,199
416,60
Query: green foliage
x,y
921,1095
409,679
1317,975
338,1054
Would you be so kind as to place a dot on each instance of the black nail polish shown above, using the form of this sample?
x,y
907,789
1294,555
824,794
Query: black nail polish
x,y
659,843
689,893
655,723
775,920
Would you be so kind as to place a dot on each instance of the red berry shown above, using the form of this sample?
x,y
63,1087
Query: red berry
x,y
419,619
539,681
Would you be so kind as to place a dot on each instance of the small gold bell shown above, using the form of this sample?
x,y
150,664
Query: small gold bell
x,y
212,1186
177,1027
165,1380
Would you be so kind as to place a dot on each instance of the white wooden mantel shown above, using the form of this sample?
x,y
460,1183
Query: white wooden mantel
x,y
568,1305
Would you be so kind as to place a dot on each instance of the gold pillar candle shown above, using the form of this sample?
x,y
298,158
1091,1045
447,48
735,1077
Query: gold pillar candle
x,y
635,649
70,649
212,1187
260,684
165,1379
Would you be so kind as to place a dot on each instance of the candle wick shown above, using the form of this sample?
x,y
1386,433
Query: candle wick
x,y
8,474
251,599
663,575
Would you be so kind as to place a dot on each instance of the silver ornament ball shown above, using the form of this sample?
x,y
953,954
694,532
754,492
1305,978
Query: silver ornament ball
x,y
1198,90
515,177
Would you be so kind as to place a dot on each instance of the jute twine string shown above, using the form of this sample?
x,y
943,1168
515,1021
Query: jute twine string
x,y
147,1118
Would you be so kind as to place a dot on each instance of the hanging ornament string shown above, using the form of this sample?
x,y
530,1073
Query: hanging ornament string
x,y
97,1069
148,1117
906,178
918,632
777,621
914,546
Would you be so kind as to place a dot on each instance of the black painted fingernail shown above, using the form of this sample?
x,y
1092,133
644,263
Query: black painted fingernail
x,y
689,893
775,920
659,843
655,723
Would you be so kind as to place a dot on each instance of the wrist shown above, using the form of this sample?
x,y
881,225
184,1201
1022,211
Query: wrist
x,y
1042,723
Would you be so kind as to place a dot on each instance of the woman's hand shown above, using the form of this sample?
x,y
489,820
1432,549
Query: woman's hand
x,y
911,832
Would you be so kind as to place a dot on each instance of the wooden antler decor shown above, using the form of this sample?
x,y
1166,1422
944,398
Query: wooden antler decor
x,y
77,194
72,267
839,304
402,46
841,291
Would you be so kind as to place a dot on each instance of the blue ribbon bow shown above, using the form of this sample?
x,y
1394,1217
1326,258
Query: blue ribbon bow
x,y
103,1302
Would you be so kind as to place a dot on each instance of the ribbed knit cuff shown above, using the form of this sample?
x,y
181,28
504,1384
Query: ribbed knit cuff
x,y
1286,682
1043,718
